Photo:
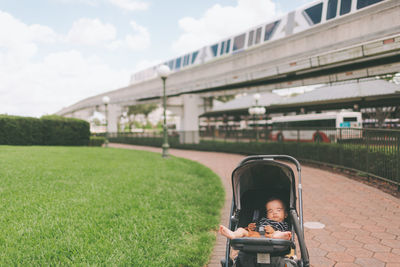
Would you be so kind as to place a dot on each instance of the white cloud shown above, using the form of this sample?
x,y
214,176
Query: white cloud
x,y
61,79
33,86
222,21
14,32
88,2
130,5
19,42
91,32
140,40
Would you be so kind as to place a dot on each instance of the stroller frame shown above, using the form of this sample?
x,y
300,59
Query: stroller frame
x,y
266,245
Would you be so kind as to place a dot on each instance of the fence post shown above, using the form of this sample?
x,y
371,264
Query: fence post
x,y
367,138
398,162
298,142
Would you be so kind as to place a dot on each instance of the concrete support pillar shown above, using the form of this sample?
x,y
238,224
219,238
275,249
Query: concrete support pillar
x,y
192,105
113,115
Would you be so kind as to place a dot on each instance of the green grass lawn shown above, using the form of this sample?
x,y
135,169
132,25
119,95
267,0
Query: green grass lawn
x,y
97,206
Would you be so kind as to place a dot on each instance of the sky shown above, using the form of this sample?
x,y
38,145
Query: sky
x,y
54,53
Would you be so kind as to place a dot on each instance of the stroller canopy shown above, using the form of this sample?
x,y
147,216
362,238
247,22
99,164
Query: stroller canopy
x,y
261,179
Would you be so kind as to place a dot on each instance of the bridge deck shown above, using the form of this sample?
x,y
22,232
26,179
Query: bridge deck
x,y
362,224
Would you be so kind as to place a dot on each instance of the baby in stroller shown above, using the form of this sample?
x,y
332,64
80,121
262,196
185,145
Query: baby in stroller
x,y
272,226
265,185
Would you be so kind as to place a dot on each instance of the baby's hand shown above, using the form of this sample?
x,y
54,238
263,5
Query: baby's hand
x,y
252,226
269,230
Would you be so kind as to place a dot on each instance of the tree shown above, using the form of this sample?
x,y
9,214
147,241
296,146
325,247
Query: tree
x,y
144,109
225,98
383,113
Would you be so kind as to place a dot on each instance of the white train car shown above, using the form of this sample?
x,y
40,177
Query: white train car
x,y
299,20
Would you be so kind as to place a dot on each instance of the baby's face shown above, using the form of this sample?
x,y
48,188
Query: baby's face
x,y
275,210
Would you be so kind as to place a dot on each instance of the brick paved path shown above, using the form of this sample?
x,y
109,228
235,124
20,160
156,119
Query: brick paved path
x,y
362,224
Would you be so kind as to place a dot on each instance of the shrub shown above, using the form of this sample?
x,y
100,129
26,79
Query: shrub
x,y
65,131
16,130
97,140
48,130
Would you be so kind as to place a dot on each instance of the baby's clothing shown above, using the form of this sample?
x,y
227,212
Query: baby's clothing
x,y
278,226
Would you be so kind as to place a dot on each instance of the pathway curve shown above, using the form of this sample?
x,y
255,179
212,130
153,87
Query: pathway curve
x,y
362,224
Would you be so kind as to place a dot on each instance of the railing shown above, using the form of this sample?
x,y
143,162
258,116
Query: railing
x,y
370,152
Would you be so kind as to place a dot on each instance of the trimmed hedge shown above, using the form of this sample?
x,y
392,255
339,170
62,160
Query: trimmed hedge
x,y
97,140
378,163
48,130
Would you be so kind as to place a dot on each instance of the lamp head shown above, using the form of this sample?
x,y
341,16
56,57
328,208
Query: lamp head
x,y
106,100
163,71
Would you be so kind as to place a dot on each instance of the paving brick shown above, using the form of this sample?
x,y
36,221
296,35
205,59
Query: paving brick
x,y
384,235
333,247
394,230
340,257
316,252
351,225
326,239
343,235
371,262
321,262
359,252
346,264
393,243
373,228
377,248
335,228
350,243
396,251
359,232
312,243
366,239
387,257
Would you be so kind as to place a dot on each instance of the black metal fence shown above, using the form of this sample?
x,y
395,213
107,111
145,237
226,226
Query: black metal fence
x,y
371,152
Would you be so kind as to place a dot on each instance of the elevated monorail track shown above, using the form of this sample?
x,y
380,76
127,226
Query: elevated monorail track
x,y
359,45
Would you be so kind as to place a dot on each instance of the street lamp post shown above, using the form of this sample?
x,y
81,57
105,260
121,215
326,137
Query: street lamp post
x,y
163,72
255,111
106,100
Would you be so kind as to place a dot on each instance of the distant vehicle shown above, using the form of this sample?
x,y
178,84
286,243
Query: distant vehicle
x,y
320,127
299,20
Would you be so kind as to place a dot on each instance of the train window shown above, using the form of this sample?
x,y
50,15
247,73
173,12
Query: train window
x,y
332,8
258,35
171,64
222,48
228,46
186,60
194,55
250,40
214,49
345,7
350,119
314,13
269,30
364,3
238,42
178,63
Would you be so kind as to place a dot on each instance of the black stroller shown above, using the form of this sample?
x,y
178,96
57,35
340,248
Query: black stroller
x,y
256,179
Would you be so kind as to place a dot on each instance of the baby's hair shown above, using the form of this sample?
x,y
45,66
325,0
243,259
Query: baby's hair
x,y
276,198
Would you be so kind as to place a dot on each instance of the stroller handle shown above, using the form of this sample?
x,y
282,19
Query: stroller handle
x,y
272,157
